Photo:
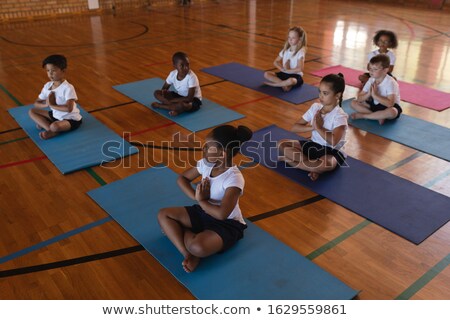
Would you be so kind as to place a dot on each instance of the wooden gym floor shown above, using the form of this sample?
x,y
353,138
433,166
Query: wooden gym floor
x,y
48,245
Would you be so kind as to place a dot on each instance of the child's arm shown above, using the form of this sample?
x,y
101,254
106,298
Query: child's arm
x,y
362,96
40,103
227,204
301,126
278,63
300,66
388,101
331,137
184,181
67,107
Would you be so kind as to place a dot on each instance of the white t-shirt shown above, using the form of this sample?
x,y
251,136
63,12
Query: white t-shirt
x,y
182,86
390,54
387,87
293,59
230,178
333,119
63,93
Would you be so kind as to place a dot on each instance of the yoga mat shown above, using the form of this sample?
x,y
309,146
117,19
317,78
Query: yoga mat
x,y
257,267
409,92
409,131
253,78
407,209
210,114
90,145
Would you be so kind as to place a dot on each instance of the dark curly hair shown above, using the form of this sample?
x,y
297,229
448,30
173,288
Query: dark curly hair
x,y
393,43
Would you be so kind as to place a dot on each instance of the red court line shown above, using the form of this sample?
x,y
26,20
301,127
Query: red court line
x,y
243,103
12,164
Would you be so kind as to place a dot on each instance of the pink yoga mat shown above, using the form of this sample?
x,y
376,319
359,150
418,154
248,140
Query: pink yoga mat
x,y
409,92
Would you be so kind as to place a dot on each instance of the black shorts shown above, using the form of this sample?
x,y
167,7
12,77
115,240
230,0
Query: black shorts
x,y
316,151
379,107
74,124
196,102
231,231
284,76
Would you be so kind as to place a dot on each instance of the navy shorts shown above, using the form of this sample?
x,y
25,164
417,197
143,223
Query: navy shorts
x,y
284,76
74,124
379,107
316,151
196,102
231,231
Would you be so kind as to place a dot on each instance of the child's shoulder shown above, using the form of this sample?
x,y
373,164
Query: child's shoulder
x,y
316,106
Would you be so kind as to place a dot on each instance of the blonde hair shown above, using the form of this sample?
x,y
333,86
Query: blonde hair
x,y
302,43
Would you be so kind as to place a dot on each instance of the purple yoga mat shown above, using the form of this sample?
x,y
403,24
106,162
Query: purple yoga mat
x,y
253,78
409,92
401,206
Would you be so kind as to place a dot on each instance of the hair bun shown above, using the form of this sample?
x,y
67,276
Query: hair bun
x,y
243,133
341,75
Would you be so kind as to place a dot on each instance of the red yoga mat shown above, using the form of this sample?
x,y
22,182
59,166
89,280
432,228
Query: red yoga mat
x,y
409,92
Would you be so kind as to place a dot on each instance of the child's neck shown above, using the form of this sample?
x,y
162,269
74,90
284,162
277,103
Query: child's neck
x,y
181,78
380,79
328,108
383,50
57,83
219,169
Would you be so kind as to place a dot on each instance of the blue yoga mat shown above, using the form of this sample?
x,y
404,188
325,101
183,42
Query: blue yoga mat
x,y
409,131
253,78
210,114
257,267
90,145
407,209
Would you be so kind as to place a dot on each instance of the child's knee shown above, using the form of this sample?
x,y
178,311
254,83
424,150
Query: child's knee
x,y
162,214
197,249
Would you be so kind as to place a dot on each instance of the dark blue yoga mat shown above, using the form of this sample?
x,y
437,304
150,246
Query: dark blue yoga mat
x,y
253,78
257,267
409,131
210,114
401,206
90,145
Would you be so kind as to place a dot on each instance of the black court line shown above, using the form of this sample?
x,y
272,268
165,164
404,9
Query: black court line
x,y
285,209
113,106
124,251
146,29
10,130
70,262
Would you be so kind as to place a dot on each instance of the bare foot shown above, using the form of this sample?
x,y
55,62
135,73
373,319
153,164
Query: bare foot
x,y
156,105
267,83
47,135
286,88
381,122
190,263
173,113
313,176
356,115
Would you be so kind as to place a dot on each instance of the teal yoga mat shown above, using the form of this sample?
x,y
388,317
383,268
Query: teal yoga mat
x,y
210,114
412,132
90,145
257,267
